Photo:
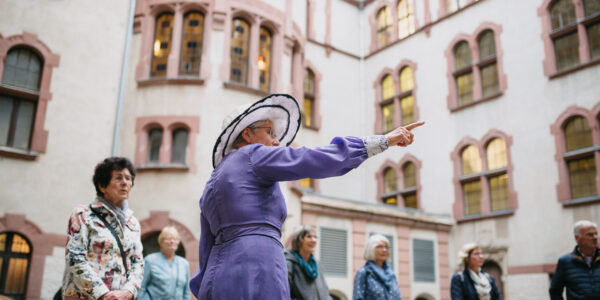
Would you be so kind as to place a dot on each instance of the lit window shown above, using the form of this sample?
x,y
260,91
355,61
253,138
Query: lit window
x,y
406,95
191,44
463,73
15,258
309,98
162,44
409,172
582,166
384,27
240,37
264,59
488,65
406,19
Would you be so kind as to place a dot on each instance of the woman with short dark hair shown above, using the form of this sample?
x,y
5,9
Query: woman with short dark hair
x,y
104,250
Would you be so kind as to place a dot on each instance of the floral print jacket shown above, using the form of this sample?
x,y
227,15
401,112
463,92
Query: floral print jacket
x,y
93,260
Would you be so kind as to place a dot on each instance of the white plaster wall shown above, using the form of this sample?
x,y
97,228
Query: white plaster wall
x,y
345,27
299,14
80,116
53,273
527,286
320,20
278,4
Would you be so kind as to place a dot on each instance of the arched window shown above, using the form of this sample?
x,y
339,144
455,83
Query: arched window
x,y
582,167
180,142
264,58
390,185
191,44
406,19
15,258
471,185
163,31
498,182
406,95
22,70
384,27
487,63
566,42
463,73
155,141
150,245
387,103
409,172
240,38
309,98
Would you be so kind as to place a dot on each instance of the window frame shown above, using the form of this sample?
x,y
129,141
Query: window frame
x,y
401,191
316,117
9,254
397,98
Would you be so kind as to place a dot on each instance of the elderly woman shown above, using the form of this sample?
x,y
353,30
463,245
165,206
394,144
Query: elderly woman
x,y
166,275
472,283
104,251
242,207
376,279
306,277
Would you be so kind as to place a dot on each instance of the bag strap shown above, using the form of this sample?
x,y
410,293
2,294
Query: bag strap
x,y
115,235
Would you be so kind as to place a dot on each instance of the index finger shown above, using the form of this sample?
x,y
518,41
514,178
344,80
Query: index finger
x,y
411,126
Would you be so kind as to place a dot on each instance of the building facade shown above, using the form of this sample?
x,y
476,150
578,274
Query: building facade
x,y
508,157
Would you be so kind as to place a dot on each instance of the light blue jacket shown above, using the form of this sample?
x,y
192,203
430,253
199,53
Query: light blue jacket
x,y
164,279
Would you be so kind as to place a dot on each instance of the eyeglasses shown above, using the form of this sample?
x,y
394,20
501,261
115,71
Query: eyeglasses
x,y
271,132
382,247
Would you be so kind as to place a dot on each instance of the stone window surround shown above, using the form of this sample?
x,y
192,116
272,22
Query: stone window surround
x,y
168,124
144,23
317,96
42,245
455,156
39,136
393,5
473,41
397,167
549,62
379,94
563,188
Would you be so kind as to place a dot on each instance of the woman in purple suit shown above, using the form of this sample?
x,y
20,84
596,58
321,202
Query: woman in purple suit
x,y
243,209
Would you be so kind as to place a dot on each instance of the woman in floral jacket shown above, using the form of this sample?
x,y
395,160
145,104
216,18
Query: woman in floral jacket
x,y
98,235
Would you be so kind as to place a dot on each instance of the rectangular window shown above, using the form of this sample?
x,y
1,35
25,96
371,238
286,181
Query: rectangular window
x,y
594,39
16,122
334,253
566,49
499,192
582,175
423,260
472,195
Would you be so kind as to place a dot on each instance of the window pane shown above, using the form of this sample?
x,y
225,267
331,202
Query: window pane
x,y
162,44
390,200
264,59
6,109
388,116
594,39
487,45
19,245
582,174
2,242
25,117
240,35
424,260
407,105
410,201
406,79
307,112
566,51
388,88
155,139
191,44
384,27
406,19
462,55
22,69
499,192
409,172
496,154
180,141
464,84
592,7
16,276
306,183
389,181
309,82
562,13
578,134
472,195
471,162
489,79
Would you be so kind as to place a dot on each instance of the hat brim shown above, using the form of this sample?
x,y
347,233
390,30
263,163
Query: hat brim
x,y
281,109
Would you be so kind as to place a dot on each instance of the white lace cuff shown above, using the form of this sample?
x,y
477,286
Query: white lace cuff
x,y
375,144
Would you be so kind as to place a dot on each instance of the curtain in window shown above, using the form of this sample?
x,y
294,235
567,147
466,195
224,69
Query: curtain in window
x,y
191,44
161,48
180,142
240,37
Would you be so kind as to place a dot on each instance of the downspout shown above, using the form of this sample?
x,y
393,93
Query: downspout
x,y
122,83
361,86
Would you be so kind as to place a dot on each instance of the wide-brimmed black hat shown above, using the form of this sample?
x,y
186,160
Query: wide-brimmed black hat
x,y
281,109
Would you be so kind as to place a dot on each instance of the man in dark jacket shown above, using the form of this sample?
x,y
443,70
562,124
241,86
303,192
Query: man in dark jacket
x,y
579,270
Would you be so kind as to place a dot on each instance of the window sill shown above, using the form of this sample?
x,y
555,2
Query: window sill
x,y
18,153
175,167
479,217
243,88
486,99
581,201
171,80
574,69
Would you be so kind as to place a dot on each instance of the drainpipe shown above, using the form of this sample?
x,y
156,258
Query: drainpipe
x,y
122,83
362,100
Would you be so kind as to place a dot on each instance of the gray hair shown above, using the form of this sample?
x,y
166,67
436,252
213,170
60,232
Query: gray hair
x,y
298,236
239,139
372,242
168,230
583,223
